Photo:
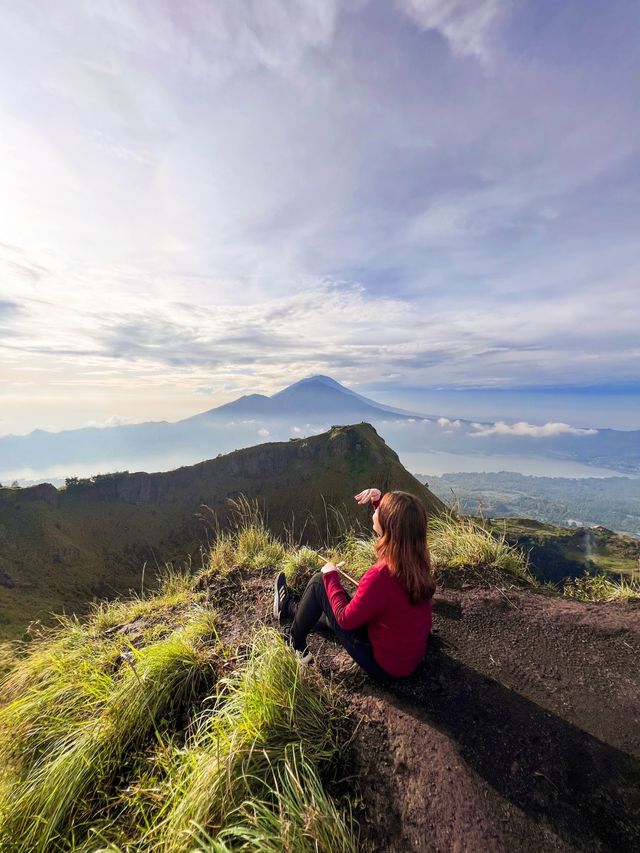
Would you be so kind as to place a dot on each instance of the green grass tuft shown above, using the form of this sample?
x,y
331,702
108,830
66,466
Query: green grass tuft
x,y
465,543
154,614
602,588
222,558
263,708
248,545
78,728
294,813
299,566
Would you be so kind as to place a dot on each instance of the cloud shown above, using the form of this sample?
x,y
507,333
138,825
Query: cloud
x,y
449,424
522,428
113,421
211,201
208,41
264,433
109,341
466,24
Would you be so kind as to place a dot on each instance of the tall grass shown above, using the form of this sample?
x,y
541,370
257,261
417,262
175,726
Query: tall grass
x,y
266,706
248,544
173,595
465,543
602,588
7,657
104,744
455,543
294,814
83,726
256,547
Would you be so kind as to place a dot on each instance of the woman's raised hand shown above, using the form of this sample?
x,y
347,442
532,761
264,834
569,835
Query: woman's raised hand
x,y
368,495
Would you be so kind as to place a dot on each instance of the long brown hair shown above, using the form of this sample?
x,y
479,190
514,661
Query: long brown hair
x,y
403,544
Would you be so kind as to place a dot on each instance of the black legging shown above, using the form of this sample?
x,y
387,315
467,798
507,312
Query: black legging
x,y
309,613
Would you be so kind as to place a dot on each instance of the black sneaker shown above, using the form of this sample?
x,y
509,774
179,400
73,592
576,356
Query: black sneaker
x,y
280,598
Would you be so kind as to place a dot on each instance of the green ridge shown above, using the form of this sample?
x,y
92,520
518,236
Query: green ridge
x,y
59,549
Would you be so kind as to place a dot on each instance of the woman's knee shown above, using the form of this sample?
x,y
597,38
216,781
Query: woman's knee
x,y
317,578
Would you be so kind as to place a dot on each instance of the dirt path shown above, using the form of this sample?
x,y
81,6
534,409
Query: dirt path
x,y
521,731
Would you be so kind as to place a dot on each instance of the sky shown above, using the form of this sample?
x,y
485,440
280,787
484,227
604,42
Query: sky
x,y
435,202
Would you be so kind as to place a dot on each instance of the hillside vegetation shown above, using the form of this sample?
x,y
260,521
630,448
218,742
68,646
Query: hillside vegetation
x,y
560,554
556,552
148,726
167,722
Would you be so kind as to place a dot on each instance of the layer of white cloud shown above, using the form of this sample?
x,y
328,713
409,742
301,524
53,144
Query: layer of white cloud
x,y
522,428
114,420
448,424
95,343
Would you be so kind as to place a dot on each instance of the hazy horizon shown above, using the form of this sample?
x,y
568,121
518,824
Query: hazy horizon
x,y
577,407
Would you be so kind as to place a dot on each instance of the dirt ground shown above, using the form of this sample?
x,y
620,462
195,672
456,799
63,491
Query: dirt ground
x,y
520,731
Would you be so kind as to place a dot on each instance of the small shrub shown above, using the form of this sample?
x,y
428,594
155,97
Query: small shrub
x,y
260,710
294,813
465,543
299,566
602,588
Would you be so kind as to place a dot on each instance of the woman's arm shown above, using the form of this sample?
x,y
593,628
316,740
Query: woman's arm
x,y
367,603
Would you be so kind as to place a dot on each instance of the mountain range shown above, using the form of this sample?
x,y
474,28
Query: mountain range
x,y
303,408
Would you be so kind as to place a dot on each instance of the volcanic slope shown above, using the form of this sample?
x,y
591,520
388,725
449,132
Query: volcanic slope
x,y
61,548
520,731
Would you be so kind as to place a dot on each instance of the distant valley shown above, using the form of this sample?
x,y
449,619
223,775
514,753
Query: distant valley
x,y
613,502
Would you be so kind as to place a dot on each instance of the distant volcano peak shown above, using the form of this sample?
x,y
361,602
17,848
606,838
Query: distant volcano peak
x,y
312,397
316,379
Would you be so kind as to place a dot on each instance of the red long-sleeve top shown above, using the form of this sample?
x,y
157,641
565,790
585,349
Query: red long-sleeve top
x,y
398,630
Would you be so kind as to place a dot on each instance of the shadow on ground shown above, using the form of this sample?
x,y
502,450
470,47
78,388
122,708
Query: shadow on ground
x,y
586,791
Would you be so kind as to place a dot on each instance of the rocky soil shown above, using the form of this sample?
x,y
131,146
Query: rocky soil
x,y
520,732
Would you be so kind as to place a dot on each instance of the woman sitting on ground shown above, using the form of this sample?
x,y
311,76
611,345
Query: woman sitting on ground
x,y
386,625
